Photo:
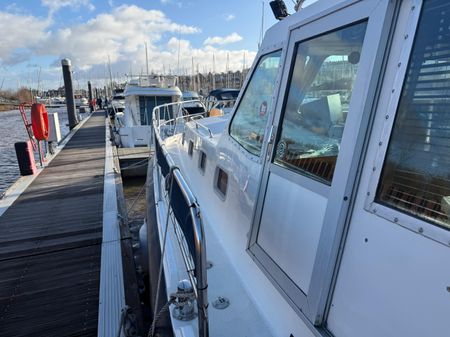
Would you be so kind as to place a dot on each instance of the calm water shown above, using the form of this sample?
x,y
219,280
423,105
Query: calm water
x,y
12,130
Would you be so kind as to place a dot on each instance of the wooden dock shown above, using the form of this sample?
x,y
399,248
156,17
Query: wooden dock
x,y
51,243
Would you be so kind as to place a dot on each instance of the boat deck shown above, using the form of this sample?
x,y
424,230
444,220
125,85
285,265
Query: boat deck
x,y
51,243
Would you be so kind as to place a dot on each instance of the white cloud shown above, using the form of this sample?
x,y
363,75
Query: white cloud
x,y
111,3
203,57
20,33
233,37
229,17
119,34
55,5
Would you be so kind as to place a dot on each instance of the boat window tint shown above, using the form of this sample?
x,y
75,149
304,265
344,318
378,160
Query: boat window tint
x,y
249,122
317,104
148,103
222,181
416,172
190,148
202,161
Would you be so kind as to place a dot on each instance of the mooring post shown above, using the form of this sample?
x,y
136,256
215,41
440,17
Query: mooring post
x,y
91,104
70,101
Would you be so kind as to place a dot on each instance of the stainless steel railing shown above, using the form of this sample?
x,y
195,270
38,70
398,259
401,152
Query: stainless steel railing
x,y
170,118
183,204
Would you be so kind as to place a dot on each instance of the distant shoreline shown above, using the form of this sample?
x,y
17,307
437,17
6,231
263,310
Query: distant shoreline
x,y
6,107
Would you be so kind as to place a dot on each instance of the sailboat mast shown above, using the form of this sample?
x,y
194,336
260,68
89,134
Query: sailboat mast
x,y
146,57
228,70
178,57
110,75
214,72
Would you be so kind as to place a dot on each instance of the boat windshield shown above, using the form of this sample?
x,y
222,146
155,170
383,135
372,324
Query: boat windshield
x,y
249,122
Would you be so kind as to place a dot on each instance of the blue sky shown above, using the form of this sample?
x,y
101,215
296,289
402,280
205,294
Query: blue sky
x,y
36,34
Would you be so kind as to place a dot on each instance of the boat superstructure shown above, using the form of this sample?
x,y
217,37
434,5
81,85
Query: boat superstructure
x,y
323,198
141,96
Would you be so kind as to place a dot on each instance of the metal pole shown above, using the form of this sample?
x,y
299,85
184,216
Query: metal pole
x,y
146,57
70,101
91,106
40,153
110,75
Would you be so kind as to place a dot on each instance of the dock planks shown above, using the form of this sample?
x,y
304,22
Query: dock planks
x,y
50,244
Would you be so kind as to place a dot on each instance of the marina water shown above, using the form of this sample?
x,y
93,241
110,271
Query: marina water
x,y
12,130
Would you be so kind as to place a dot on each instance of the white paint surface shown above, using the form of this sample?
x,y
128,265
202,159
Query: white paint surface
x,y
54,128
112,296
290,228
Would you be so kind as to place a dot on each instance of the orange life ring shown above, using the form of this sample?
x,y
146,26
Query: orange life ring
x,y
39,121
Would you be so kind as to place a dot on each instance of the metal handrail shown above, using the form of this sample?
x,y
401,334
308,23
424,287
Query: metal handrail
x,y
215,104
201,285
182,115
200,282
204,127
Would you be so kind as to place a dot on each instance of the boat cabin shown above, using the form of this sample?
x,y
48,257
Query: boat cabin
x,y
142,95
325,194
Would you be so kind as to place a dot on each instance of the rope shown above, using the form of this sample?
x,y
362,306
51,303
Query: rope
x,y
151,332
137,164
165,307
156,318
125,310
135,199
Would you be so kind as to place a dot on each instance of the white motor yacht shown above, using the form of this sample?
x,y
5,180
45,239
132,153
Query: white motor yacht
x,y
320,206
141,96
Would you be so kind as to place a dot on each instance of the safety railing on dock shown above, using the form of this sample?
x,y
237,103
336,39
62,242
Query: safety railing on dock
x,y
188,226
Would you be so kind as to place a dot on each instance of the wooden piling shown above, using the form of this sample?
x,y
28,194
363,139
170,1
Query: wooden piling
x,y
70,100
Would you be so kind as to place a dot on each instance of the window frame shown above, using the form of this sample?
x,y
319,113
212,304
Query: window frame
x,y
312,307
321,186
264,52
219,193
202,155
395,215
190,149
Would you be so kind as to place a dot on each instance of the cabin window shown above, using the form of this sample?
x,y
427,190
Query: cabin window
x,y
416,172
148,103
249,122
222,181
317,103
202,161
190,148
